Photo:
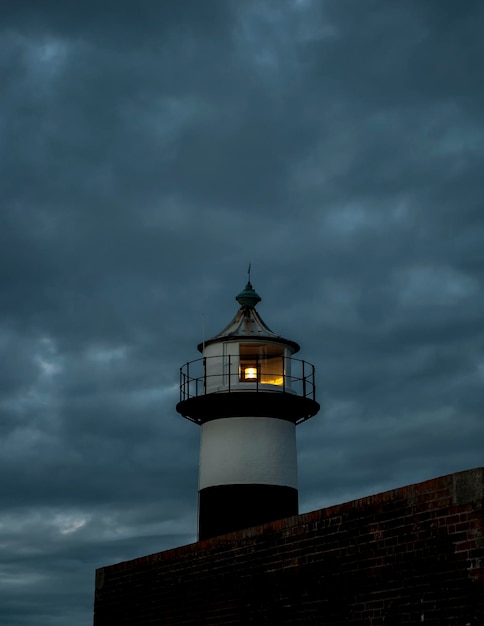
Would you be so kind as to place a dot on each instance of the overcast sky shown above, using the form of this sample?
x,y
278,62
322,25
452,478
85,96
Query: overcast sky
x,y
149,151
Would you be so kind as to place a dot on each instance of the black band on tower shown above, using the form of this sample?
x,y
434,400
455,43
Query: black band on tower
x,y
227,508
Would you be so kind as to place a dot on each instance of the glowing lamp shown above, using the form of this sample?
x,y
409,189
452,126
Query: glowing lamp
x,y
250,373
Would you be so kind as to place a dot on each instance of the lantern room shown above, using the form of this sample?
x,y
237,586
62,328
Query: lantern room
x,y
248,359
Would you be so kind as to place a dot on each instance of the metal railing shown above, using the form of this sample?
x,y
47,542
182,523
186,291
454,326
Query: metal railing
x,y
222,374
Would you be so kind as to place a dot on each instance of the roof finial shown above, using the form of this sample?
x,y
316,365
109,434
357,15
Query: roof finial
x,y
248,298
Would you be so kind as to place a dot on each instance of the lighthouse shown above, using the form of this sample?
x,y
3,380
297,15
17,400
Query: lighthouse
x,y
247,393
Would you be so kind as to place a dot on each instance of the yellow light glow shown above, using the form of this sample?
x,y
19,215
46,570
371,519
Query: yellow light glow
x,y
250,373
272,380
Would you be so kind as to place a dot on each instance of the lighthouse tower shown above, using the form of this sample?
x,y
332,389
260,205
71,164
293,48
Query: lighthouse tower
x,y
247,393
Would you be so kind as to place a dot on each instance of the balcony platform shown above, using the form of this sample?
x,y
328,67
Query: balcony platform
x,y
256,403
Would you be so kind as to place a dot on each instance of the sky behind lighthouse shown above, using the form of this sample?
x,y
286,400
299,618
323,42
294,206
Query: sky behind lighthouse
x,y
149,151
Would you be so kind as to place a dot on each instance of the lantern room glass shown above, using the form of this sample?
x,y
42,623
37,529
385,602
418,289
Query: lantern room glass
x,y
261,363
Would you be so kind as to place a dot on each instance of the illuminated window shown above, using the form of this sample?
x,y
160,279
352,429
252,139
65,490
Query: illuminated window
x,y
262,363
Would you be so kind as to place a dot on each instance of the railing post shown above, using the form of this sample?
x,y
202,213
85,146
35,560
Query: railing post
x,y
204,375
283,374
314,384
188,378
230,371
304,379
257,372
181,397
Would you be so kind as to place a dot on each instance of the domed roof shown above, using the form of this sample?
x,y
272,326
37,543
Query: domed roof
x,y
248,297
248,324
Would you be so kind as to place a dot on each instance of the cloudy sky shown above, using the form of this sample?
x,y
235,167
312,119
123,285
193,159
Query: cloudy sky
x,y
149,151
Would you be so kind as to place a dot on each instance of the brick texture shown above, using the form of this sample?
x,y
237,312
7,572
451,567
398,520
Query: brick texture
x,y
407,556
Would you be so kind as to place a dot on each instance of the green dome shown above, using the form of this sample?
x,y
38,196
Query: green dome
x,y
248,297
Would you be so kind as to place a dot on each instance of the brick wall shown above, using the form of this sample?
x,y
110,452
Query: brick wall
x,y
407,556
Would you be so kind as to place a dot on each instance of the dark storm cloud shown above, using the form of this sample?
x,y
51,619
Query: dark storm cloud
x,y
150,151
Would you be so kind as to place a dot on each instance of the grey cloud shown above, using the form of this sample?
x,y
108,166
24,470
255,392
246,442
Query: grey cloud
x,y
149,153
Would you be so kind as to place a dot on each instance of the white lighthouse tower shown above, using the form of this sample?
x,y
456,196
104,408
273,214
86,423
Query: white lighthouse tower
x,y
247,393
